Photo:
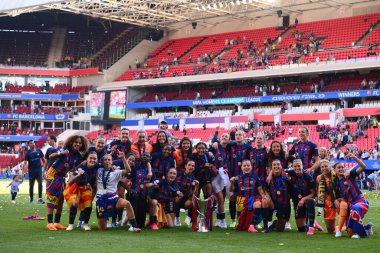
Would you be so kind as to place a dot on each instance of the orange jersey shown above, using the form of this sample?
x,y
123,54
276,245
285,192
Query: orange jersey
x,y
138,151
180,159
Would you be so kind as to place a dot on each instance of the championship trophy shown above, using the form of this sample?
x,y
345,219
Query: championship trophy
x,y
203,207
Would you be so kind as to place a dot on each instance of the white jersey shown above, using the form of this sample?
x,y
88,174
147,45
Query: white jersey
x,y
108,178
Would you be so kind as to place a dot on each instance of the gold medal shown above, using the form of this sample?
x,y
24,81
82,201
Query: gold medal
x,y
300,196
278,192
239,163
163,177
142,186
207,165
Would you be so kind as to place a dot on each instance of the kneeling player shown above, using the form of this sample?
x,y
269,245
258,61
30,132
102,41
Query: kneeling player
x,y
165,196
188,185
303,194
246,187
350,191
279,190
108,201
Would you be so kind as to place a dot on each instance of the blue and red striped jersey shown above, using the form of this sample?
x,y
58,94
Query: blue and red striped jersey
x,y
166,192
259,161
304,151
246,185
161,165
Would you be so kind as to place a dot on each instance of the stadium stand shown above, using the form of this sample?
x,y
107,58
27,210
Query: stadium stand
x,y
333,39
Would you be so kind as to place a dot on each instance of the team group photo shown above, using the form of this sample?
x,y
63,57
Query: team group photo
x,y
189,126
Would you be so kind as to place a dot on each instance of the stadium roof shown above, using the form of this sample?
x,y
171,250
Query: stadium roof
x,y
174,14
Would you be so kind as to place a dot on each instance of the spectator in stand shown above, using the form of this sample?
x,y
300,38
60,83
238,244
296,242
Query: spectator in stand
x,y
364,84
213,94
365,155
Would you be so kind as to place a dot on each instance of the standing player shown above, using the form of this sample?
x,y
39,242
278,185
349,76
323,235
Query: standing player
x,y
277,151
204,168
305,150
220,151
358,205
237,152
100,150
67,160
123,144
161,141
100,147
142,145
138,193
185,149
33,159
52,141
259,158
80,190
162,162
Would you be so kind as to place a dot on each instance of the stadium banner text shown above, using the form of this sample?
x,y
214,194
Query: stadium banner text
x,y
34,116
39,96
257,99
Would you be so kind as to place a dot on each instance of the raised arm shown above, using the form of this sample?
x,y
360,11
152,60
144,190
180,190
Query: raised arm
x,y
362,166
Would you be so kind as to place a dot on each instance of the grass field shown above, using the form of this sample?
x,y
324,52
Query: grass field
x,y
17,235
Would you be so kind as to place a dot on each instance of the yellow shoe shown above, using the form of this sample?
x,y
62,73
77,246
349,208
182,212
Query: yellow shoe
x,y
59,226
51,227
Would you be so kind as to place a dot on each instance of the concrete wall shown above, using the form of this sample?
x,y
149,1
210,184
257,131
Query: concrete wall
x,y
93,80
139,52
227,24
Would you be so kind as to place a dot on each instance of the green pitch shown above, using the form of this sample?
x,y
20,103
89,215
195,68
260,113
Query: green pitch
x,y
17,235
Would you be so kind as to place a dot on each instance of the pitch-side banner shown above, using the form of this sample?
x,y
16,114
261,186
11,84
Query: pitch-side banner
x,y
34,116
257,99
370,164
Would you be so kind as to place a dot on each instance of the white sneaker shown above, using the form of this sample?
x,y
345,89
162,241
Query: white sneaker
x,y
355,236
86,227
109,225
269,223
288,226
223,224
338,233
188,221
13,201
70,227
178,222
217,223
233,224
